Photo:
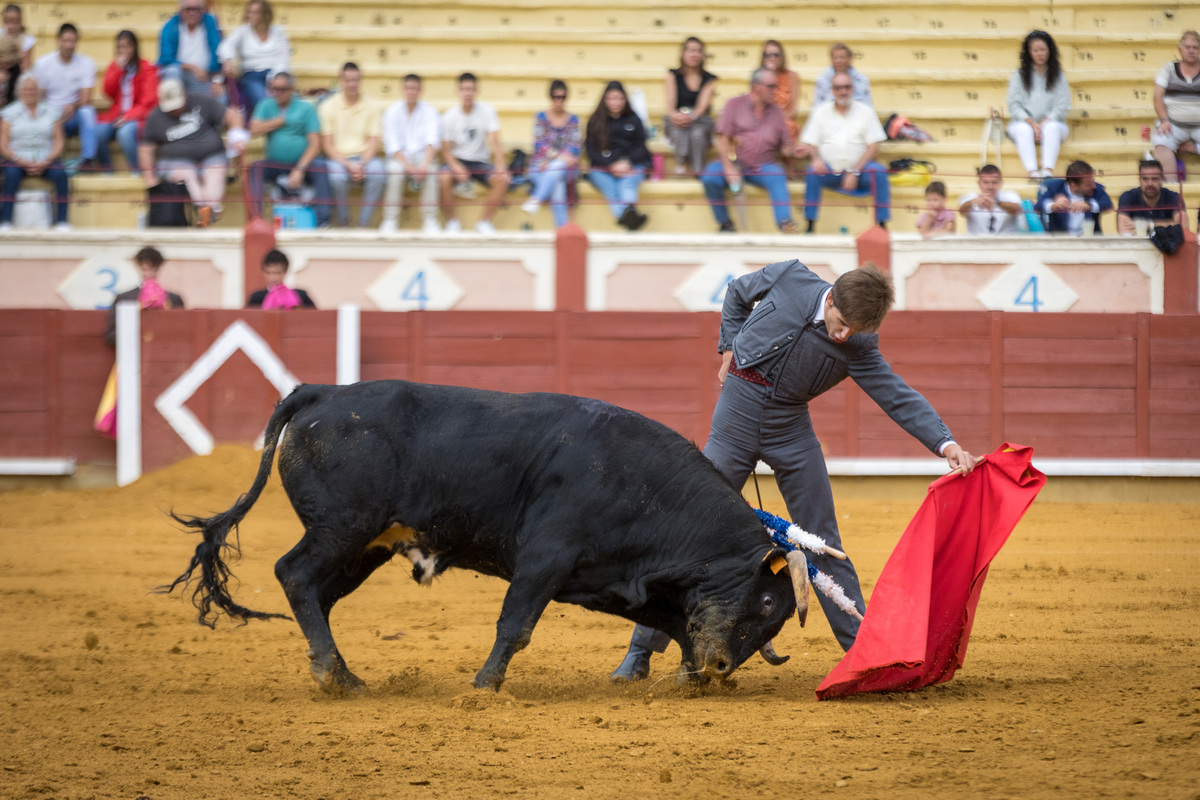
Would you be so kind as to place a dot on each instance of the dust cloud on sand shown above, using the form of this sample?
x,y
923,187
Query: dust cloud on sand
x,y
1082,678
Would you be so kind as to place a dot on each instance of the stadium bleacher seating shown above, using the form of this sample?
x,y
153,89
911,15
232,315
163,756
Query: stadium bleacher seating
x,y
942,64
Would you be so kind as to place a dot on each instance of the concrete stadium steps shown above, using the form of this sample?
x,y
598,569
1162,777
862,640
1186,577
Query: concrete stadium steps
x,y
699,17
675,205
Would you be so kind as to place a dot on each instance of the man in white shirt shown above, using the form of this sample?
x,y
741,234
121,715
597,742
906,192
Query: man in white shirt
x,y
844,136
411,139
67,78
991,211
470,134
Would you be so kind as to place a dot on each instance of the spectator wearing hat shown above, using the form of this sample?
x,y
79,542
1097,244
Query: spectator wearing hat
x,y
181,142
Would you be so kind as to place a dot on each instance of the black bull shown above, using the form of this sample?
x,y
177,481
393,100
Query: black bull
x,y
566,498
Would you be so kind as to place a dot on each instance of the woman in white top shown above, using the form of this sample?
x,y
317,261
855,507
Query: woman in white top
x,y
31,141
15,26
1038,101
260,49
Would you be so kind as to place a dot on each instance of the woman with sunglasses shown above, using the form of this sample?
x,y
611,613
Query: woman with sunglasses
x,y
556,147
689,93
616,148
787,94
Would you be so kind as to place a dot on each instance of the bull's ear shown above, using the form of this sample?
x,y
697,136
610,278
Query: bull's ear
x,y
776,559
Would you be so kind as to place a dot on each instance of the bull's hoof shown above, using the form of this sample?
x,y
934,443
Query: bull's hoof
x,y
337,680
688,676
492,682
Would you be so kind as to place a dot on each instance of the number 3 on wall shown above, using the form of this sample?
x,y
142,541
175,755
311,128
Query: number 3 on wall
x,y
1028,296
108,277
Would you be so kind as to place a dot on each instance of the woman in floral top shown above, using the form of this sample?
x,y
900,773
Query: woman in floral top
x,y
556,146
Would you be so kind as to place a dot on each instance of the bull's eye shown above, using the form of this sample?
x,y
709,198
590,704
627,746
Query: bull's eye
x,y
768,603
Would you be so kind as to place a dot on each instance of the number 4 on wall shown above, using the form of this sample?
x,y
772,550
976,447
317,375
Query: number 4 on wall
x,y
1028,296
718,297
415,291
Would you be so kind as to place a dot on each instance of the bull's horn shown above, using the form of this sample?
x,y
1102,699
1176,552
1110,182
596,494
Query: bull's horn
x,y
767,651
798,569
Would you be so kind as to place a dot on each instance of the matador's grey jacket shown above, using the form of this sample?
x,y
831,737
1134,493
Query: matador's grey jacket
x,y
778,339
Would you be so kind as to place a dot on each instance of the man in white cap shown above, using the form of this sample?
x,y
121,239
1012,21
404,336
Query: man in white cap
x,y
181,142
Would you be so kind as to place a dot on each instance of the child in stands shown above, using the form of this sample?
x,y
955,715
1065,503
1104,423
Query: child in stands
x,y
936,220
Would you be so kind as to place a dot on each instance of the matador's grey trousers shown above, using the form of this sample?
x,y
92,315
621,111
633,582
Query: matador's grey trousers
x,y
748,426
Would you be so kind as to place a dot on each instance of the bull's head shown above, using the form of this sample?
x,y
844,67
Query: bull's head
x,y
742,616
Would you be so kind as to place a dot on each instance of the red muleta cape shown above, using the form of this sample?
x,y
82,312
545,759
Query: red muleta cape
x,y
919,618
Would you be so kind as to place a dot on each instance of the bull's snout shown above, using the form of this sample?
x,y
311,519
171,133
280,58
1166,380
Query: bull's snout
x,y
717,662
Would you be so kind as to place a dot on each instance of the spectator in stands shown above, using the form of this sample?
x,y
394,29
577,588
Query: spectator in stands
x,y
844,136
1074,205
293,147
181,141
187,50
350,133
992,210
557,144
1150,202
31,143
752,129
841,60
67,79
412,137
1177,101
147,294
277,294
787,93
259,49
131,83
1038,101
470,137
616,148
10,67
14,26
689,90
936,220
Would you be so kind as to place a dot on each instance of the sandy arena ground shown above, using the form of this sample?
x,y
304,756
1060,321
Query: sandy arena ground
x,y
1082,679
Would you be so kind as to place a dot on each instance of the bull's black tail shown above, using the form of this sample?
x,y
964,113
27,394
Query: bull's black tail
x,y
211,594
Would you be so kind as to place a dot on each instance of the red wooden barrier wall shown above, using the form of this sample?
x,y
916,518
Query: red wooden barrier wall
x,y
1072,385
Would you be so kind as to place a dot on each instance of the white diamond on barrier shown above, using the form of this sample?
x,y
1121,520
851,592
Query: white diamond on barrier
x,y
238,336
415,283
1027,285
97,281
